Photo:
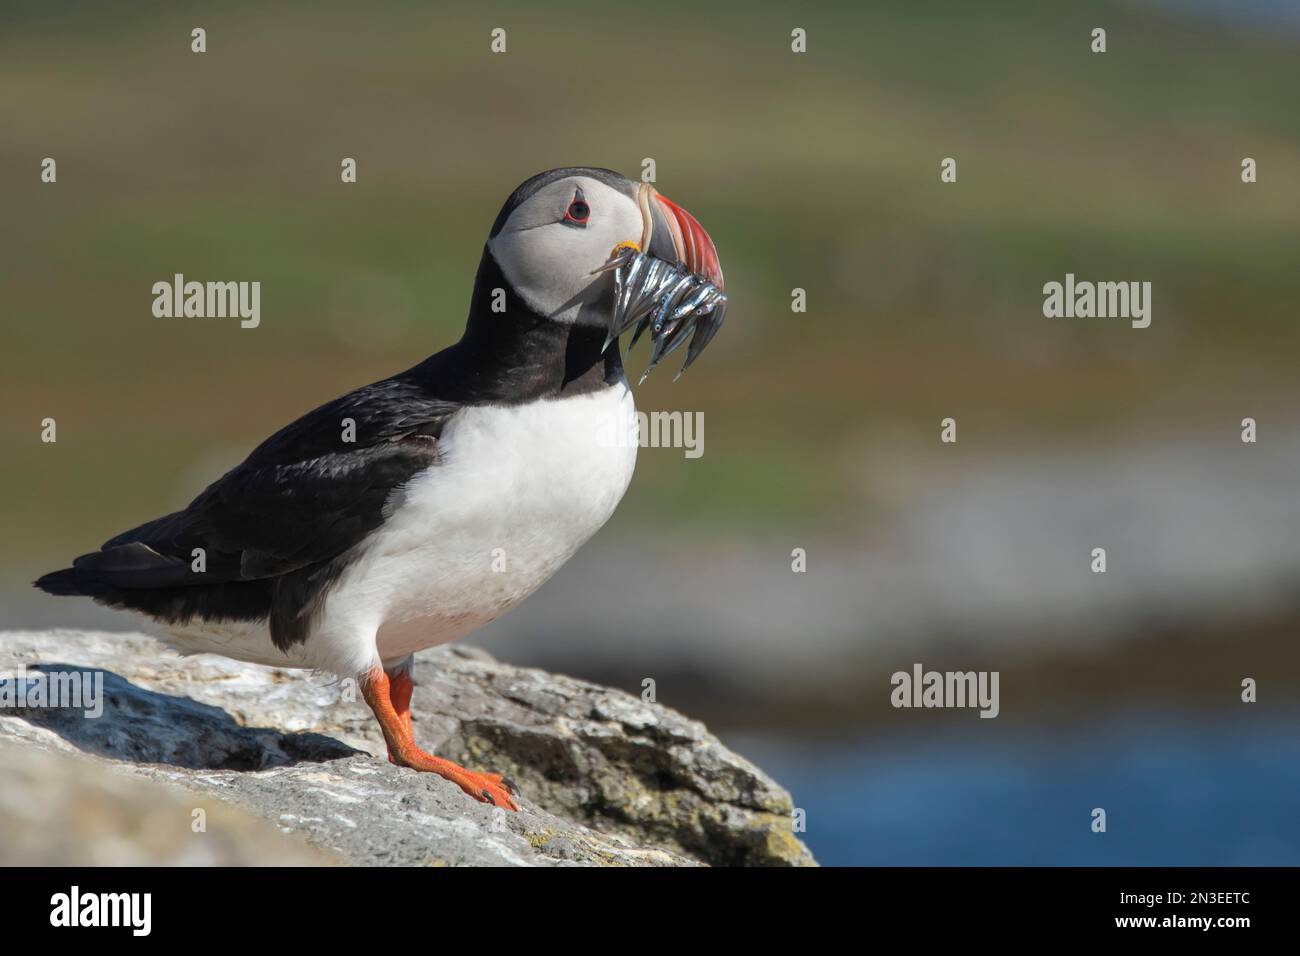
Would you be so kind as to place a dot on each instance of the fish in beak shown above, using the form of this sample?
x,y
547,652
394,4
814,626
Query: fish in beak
x,y
669,282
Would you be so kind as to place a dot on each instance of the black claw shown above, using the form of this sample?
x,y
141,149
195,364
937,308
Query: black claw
x,y
510,785
488,797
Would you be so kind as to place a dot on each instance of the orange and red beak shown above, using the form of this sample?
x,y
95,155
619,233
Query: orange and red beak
x,y
694,248
670,282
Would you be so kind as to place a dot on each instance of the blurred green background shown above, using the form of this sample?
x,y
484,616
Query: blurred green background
x,y
817,171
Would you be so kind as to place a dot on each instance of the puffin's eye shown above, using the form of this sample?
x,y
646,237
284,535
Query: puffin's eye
x,y
578,212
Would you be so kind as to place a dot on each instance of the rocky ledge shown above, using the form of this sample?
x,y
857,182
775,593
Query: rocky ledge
x,y
206,760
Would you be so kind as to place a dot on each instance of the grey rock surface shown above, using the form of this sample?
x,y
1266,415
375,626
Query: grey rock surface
x,y
61,810
606,779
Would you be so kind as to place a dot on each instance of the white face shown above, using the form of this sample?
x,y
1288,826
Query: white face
x,y
548,258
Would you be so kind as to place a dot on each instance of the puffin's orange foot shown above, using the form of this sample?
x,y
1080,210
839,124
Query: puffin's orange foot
x,y
485,787
505,783
500,781
495,789
390,699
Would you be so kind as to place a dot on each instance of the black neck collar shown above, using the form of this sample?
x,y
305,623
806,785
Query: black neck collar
x,y
517,356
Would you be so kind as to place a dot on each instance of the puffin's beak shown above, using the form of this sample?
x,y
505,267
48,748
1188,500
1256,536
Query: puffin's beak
x,y
691,243
670,282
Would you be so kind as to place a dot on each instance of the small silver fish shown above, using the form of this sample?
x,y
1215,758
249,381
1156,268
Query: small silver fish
x,y
668,299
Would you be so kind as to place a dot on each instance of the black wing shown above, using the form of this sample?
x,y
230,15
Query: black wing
x,y
275,529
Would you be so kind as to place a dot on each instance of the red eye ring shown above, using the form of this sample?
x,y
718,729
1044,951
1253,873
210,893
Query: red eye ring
x,y
578,212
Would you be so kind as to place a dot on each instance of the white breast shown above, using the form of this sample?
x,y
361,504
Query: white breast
x,y
517,490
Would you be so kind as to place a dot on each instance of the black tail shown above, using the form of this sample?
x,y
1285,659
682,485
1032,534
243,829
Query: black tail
x,y
134,577
123,567
69,581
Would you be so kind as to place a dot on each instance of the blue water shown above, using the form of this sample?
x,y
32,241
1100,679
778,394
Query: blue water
x,y
1175,794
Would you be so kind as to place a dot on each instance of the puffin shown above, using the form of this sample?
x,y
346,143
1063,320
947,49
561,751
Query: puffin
x,y
412,511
